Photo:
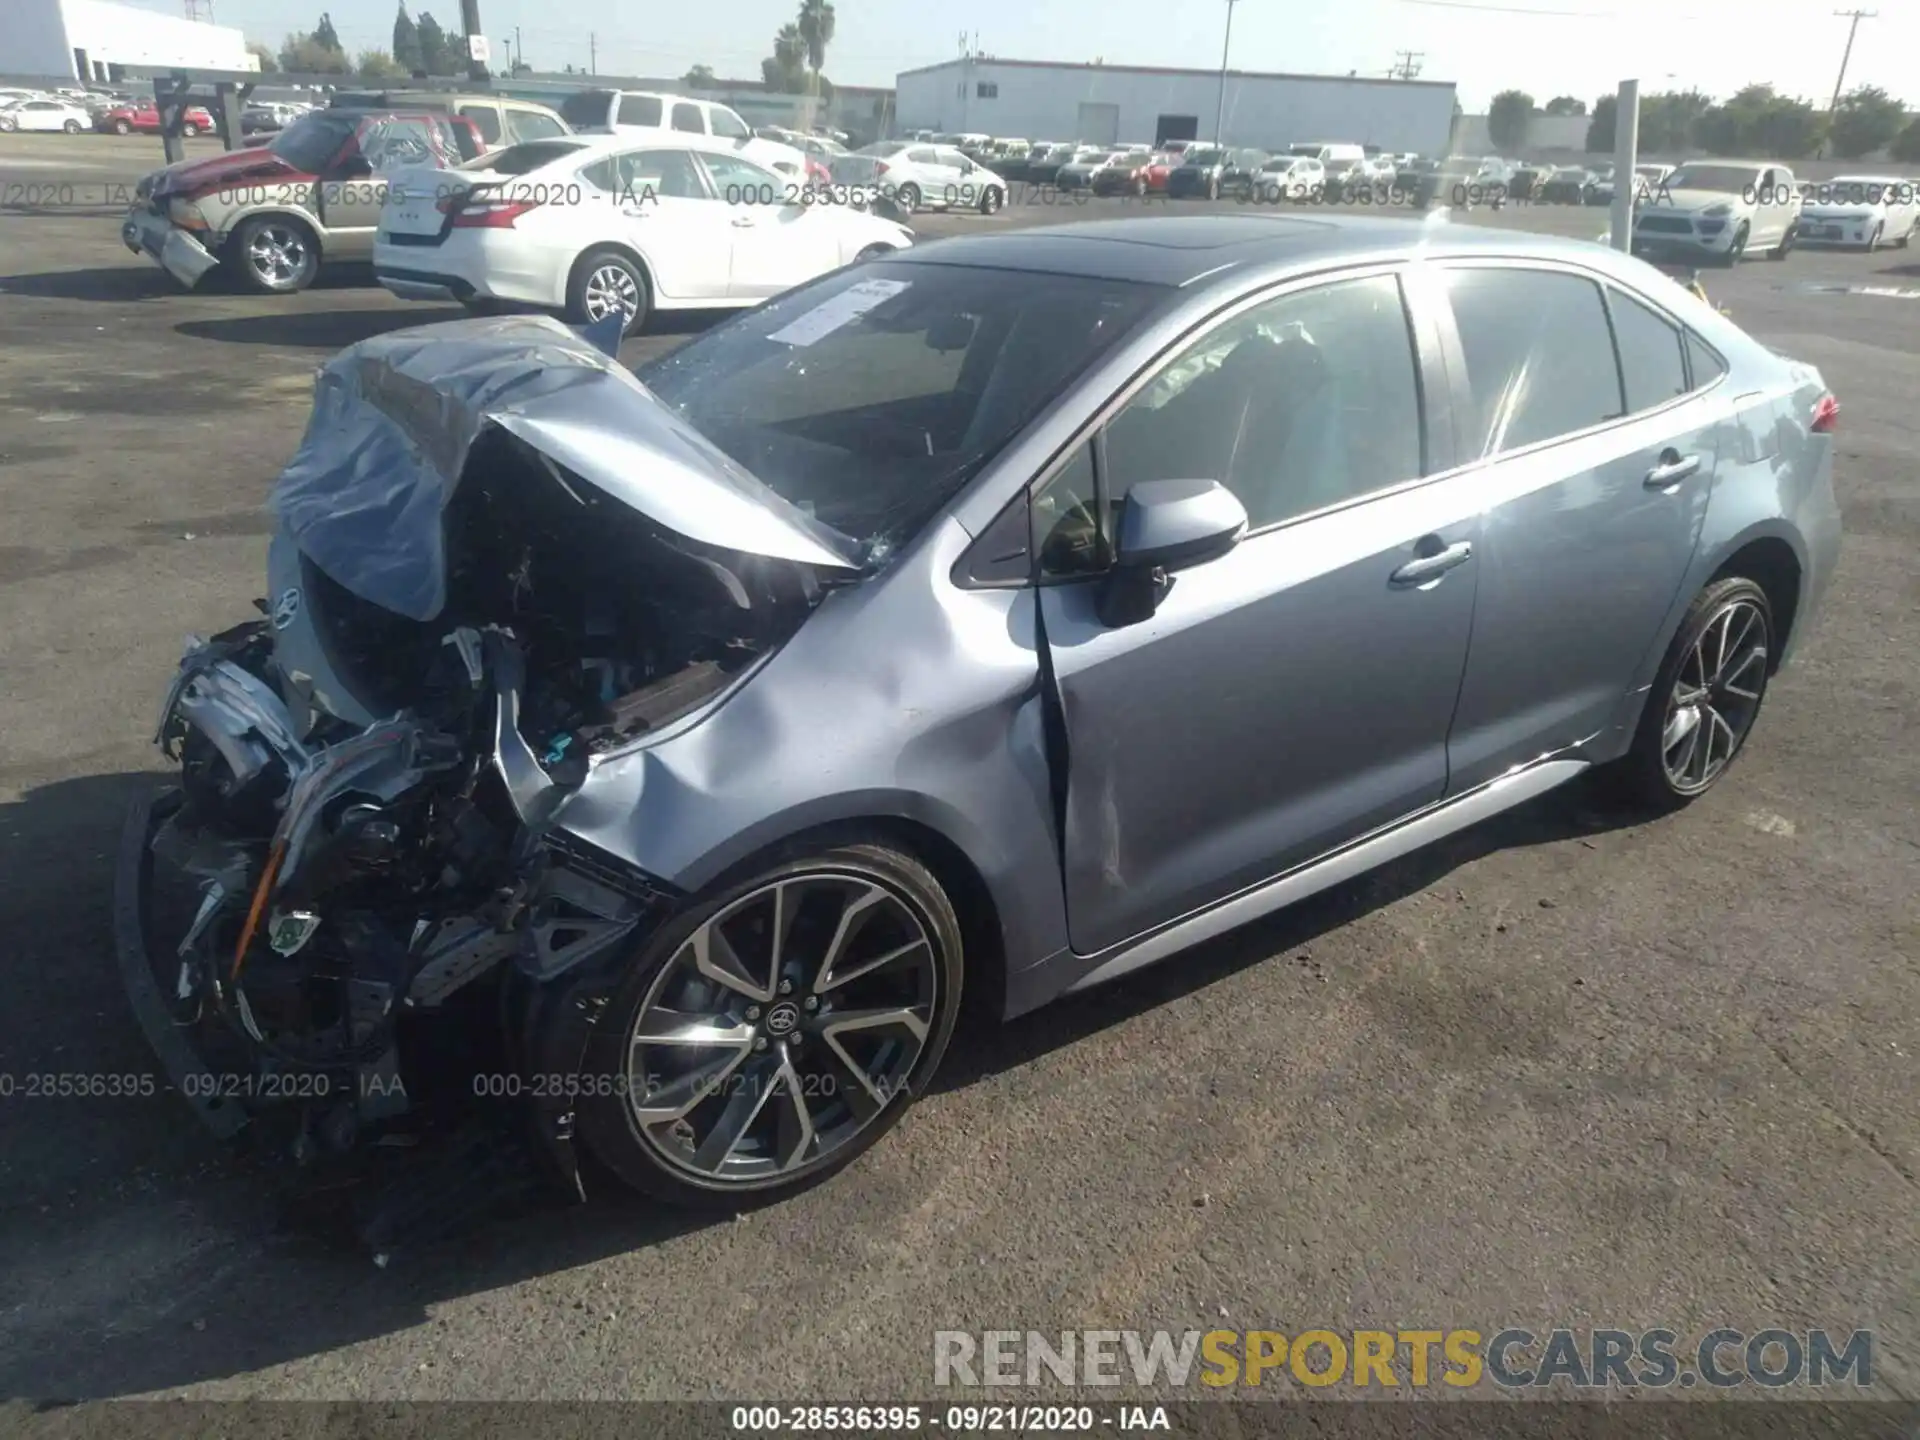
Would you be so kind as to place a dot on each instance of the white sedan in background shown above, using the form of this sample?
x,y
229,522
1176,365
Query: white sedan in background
x,y
1864,210
591,225
44,113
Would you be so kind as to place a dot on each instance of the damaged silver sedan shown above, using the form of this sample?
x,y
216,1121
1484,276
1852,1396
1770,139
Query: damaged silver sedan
x,y
652,762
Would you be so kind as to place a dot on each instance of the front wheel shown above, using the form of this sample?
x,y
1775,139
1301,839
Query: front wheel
x,y
1873,240
189,130
907,197
121,127
1738,251
990,200
72,127
1779,252
276,256
777,1029
1706,698
605,282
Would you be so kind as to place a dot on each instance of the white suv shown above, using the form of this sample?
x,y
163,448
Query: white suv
x,y
649,116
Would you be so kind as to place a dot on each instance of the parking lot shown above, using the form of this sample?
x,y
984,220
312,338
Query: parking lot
x,y
1560,1070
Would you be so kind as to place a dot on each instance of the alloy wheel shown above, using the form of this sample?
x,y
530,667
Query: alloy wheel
x,y
277,254
782,1028
611,289
1715,698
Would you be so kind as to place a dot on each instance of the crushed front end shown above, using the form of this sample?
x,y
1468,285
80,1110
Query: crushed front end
x,y
358,922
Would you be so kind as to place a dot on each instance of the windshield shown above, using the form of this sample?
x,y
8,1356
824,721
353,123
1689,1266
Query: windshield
x,y
1729,179
1204,155
883,147
1864,189
313,140
870,396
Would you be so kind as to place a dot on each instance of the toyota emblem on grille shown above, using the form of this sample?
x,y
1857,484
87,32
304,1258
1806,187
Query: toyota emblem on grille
x,y
285,608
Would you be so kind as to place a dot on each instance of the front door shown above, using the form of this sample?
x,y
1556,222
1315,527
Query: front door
x,y
1594,500
775,245
1295,694
678,223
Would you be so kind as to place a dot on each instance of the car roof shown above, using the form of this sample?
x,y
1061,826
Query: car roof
x,y
596,143
1178,251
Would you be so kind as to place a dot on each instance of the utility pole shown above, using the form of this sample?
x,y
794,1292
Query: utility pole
x,y
593,53
470,25
1406,64
1220,111
1854,17
519,50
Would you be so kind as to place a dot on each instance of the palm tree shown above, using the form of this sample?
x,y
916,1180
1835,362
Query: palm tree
x,y
816,32
789,55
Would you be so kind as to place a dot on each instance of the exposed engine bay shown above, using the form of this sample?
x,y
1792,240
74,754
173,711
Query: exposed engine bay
x,y
357,914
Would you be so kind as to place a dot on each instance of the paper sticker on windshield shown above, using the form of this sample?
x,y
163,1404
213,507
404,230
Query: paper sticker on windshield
x,y
843,309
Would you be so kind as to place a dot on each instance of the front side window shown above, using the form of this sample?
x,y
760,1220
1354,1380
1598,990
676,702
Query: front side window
x,y
1652,361
646,175
727,125
1306,401
1539,356
687,118
870,396
742,183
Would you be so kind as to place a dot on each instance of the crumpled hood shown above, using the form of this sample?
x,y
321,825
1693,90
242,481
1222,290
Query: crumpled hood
x,y
253,165
395,417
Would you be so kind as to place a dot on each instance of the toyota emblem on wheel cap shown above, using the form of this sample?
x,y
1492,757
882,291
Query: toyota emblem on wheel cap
x,y
285,608
782,1018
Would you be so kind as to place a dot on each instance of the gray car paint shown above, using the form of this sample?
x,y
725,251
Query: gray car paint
x,y
911,700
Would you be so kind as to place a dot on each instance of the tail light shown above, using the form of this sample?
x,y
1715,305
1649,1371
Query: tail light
x,y
1826,415
879,167
477,213
818,174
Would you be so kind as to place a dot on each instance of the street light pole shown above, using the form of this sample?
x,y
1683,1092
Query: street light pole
x,y
1220,112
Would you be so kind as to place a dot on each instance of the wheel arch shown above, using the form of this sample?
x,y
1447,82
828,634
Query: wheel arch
x,y
315,230
1773,564
619,247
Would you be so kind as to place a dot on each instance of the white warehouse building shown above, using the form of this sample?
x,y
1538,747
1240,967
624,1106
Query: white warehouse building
x,y
1129,104
89,40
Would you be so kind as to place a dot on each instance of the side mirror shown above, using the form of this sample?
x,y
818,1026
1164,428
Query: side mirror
x,y
1166,525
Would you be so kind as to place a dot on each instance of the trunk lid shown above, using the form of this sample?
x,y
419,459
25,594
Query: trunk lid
x,y
396,417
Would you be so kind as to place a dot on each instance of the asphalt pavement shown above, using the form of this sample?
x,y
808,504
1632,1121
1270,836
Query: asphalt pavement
x,y
1560,1070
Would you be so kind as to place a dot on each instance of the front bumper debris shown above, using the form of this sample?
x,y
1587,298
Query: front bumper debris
x,y
176,251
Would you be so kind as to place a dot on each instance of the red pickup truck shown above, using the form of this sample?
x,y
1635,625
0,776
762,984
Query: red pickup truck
x,y
144,116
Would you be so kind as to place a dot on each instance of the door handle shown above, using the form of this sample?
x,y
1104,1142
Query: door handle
x,y
635,212
1431,567
743,222
1671,471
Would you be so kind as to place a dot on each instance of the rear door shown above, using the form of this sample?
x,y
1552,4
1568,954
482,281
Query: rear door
x,y
674,219
1294,694
1594,474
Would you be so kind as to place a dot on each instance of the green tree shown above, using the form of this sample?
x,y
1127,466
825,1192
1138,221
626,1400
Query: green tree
x,y
433,45
305,55
816,33
1508,118
1600,129
376,65
406,40
326,34
1667,121
1759,122
700,77
1864,120
785,70
269,62
1906,145
1566,105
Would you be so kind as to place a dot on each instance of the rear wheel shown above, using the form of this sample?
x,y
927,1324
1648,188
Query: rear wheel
x,y
1706,698
72,127
276,255
606,281
776,1030
990,200
1779,252
121,127
907,197
189,130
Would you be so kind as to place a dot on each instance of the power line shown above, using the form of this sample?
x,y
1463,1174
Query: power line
x,y
1406,64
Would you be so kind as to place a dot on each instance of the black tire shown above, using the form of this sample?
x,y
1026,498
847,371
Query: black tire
x,y
593,275
297,242
607,1121
1641,775
1907,239
1739,250
7,122
189,130
72,127
1873,240
1779,252
907,197
121,127
991,200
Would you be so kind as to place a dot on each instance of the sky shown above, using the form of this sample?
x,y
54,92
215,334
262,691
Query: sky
x,y
1545,47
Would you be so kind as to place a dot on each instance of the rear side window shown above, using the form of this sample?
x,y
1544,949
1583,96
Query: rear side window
x,y
486,120
588,109
1652,363
1539,355
1703,365
922,157
640,110
688,118
525,159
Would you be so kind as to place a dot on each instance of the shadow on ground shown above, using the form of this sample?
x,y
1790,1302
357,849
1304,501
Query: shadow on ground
x,y
142,1255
